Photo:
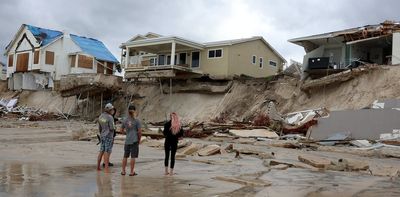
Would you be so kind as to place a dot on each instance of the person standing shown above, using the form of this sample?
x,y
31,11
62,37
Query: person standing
x,y
106,129
113,113
133,129
172,132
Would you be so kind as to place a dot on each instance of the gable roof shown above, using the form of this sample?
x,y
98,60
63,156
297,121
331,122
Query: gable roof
x,y
44,36
94,48
146,36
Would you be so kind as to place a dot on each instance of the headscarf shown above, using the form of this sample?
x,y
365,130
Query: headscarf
x,y
175,123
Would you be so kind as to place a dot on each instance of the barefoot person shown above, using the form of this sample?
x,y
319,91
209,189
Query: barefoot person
x,y
172,133
133,129
106,128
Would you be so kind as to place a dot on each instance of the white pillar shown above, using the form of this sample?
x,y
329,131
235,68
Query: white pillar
x,y
76,60
396,48
173,53
127,57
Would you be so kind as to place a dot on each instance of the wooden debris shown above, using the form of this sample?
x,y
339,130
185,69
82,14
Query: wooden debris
x,y
280,167
209,150
191,149
263,133
254,183
318,162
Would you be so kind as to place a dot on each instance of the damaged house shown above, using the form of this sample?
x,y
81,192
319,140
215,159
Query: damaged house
x,y
336,51
38,57
157,56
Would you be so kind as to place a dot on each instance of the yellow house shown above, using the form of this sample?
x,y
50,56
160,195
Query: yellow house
x,y
157,56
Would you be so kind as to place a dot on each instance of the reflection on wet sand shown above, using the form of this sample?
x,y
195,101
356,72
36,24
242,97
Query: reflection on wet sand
x,y
104,185
17,178
28,179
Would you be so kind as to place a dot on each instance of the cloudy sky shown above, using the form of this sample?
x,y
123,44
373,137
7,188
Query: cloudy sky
x,y
114,22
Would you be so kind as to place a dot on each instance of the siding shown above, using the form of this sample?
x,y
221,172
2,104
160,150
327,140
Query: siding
x,y
240,59
217,67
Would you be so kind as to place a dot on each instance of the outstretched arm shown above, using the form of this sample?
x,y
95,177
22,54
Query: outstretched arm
x,y
139,134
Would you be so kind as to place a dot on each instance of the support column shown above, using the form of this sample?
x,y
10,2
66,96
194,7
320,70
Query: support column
x,y
127,57
76,61
173,53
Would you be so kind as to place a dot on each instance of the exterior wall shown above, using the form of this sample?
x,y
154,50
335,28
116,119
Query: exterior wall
x,y
76,69
240,59
217,67
61,48
396,48
22,48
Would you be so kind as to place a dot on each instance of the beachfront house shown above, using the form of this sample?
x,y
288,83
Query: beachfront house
x,y
156,56
38,57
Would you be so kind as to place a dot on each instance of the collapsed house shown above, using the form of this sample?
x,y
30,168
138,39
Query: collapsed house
x,y
337,51
38,57
156,56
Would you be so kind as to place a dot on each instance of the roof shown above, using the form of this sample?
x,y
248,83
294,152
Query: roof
x,y
382,28
44,36
165,39
231,42
94,48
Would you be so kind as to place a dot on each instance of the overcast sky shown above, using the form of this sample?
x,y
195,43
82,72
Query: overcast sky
x,y
114,22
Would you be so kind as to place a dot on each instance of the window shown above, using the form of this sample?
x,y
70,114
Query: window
x,y
195,59
169,60
22,62
36,57
153,61
73,60
10,60
85,61
182,58
272,63
261,62
215,53
100,67
254,59
110,68
49,58
161,59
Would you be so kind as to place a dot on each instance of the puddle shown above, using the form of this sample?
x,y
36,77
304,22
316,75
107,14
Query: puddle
x,y
30,179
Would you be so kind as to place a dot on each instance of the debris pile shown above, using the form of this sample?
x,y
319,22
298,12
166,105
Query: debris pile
x,y
9,109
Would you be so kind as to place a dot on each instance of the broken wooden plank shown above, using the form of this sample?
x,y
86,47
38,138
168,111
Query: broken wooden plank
x,y
254,133
209,150
318,162
254,183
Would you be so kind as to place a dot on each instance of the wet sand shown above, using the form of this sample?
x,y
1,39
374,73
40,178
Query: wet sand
x,y
44,161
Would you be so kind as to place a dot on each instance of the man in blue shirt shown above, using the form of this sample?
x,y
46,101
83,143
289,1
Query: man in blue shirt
x,y
133,129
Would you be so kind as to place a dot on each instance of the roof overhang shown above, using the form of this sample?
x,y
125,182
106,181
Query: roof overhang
x,y
162,40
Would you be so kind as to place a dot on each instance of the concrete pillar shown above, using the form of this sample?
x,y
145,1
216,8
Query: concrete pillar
x,y
396,48
173,53
127,57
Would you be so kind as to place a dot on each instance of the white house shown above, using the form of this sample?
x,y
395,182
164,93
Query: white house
x,y
38,57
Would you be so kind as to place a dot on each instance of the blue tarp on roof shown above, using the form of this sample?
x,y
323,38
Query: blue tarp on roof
x,y
45,36
94,47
